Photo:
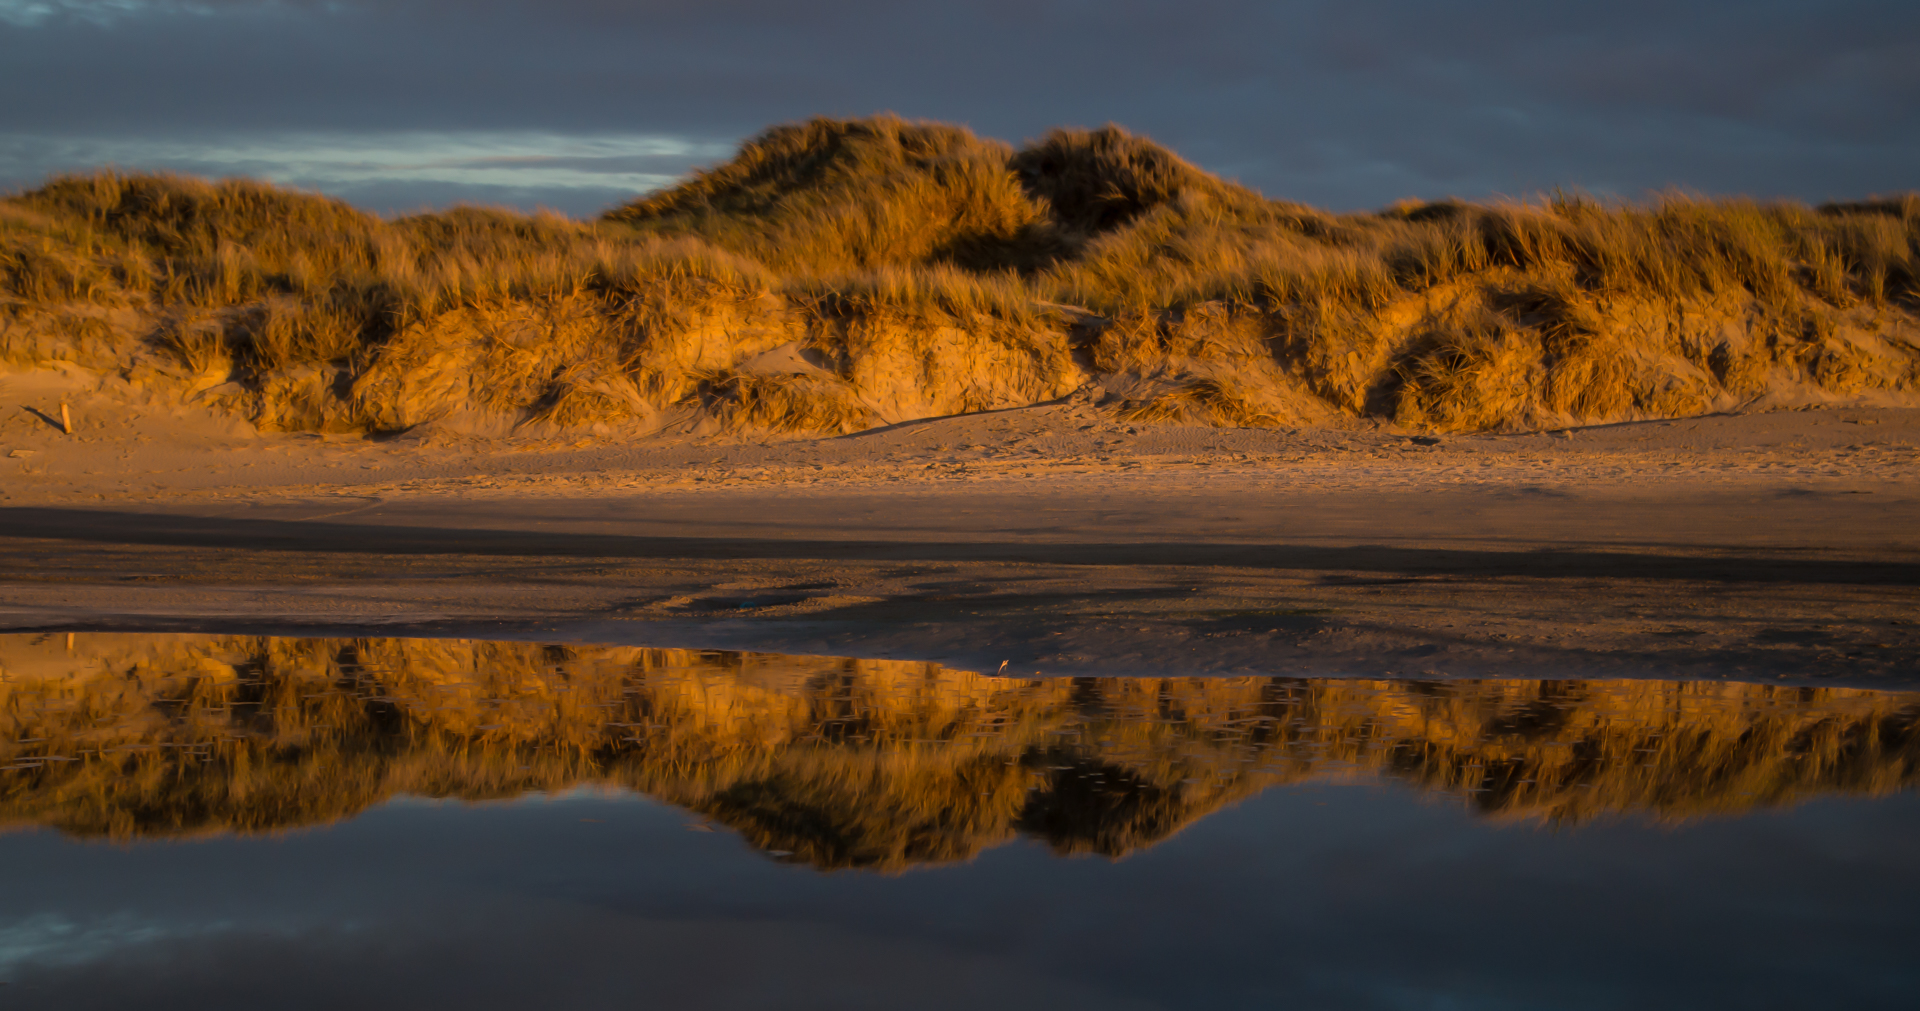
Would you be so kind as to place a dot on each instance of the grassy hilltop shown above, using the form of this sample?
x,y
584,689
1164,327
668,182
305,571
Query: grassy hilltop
x,y
836,275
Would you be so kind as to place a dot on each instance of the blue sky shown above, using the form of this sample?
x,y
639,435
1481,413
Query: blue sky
x,y
578,104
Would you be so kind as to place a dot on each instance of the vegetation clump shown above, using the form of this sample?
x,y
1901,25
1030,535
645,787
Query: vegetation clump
x,y
838,274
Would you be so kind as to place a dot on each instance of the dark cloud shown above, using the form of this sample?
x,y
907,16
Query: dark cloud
x,y
1339,103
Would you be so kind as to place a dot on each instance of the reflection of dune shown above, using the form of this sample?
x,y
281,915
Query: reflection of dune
x,y
845,763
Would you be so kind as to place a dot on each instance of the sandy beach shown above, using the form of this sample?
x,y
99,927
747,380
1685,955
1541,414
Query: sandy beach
x,y
1056,539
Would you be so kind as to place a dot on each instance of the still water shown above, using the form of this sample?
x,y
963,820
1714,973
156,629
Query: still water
x,y
229,821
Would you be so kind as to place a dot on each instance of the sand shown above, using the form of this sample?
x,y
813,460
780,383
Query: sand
x,y
1056,539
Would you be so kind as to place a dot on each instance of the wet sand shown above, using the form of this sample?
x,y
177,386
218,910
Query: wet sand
x,y
1056,539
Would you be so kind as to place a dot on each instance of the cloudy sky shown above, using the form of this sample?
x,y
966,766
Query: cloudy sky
x,y
577,104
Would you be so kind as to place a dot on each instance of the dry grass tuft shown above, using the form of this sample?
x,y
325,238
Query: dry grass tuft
x,y
836,196
1221,402
1098,180
785,403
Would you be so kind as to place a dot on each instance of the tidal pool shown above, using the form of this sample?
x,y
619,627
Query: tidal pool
x,y
241,821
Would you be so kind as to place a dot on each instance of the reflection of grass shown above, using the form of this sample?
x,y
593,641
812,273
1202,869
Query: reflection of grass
x,y
875,764
936,272
1258,612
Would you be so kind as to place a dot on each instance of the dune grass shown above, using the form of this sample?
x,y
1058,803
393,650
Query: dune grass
x,y
928,265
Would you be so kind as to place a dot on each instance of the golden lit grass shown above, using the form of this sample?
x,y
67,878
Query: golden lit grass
x,y
930,268
828,197
785,402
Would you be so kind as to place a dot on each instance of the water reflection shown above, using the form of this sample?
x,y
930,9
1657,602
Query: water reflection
x,y
860,763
